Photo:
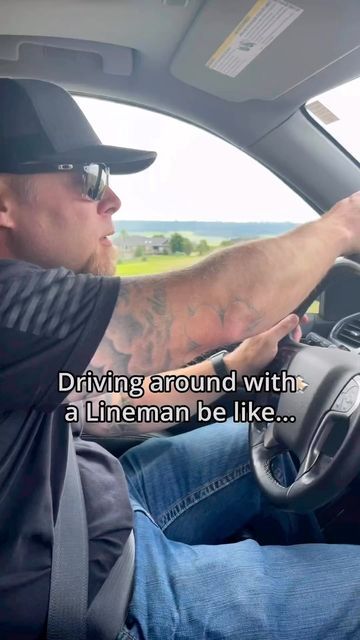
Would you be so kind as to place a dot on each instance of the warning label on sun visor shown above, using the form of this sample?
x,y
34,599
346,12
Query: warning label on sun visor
x,y
261,25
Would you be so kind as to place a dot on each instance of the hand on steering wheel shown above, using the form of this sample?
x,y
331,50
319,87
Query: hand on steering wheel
x,y
255,353
325,436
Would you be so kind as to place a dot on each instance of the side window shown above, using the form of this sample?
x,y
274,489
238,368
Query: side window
x,y
200,194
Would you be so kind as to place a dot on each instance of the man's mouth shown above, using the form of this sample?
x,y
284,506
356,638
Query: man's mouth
x,y
106,239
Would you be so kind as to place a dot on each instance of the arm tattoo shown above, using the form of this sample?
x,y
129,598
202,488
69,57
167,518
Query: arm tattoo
x,y
221,315
139,330
158,301
154,328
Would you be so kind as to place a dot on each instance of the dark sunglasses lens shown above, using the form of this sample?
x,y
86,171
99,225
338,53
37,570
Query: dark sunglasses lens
x,y
96,180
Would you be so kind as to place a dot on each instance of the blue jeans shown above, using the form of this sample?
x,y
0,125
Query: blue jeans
x,y
190,494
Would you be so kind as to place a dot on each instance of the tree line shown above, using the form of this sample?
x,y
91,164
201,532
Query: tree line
x,y
181,244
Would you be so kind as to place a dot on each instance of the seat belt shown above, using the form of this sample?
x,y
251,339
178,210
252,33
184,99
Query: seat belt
x,y
107,612
69,617
70,559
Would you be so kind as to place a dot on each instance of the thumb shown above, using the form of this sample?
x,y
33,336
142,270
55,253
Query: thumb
x,y
284,327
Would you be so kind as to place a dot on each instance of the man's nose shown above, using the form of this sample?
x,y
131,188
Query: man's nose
x,y
109,203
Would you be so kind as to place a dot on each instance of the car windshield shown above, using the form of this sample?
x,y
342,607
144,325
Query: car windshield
x,y
337,111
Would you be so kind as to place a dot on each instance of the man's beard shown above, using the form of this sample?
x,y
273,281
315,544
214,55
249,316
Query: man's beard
x,y
102,263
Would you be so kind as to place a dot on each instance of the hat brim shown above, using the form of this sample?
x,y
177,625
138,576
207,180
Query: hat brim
x,y
120,160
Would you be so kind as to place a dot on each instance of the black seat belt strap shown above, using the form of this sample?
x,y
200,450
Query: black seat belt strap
x,y
70,560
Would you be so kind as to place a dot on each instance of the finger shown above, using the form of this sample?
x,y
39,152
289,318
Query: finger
x,y
284,327
296,334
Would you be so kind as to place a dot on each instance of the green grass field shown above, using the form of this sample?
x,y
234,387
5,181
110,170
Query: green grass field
x,y
154,264
159,264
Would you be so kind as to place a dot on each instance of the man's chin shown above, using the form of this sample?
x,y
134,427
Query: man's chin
x,y
103,263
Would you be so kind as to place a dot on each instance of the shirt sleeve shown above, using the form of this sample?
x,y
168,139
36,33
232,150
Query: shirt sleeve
x,y
51,320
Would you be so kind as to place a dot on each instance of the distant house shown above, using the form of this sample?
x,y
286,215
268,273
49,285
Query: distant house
x,y
128,244
159,245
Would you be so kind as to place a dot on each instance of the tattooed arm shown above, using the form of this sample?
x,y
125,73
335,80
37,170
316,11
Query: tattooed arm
x,y
161,322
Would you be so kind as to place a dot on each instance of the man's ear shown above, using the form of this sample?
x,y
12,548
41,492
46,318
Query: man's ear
x,y
7,205
6,221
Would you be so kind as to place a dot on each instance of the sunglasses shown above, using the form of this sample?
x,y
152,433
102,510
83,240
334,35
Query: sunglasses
x,y
95,176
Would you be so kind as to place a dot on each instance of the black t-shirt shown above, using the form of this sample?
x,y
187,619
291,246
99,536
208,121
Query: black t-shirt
x,y
50,320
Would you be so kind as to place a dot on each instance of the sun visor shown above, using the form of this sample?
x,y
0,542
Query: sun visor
x,y
241,50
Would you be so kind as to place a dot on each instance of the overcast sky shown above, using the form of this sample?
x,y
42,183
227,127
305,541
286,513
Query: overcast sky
x,y
198,176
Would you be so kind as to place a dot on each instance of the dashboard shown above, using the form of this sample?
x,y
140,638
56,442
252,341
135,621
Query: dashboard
x,y
344,335
338,323
340,295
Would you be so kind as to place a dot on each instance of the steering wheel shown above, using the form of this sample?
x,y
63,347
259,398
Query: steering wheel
x,y
325,435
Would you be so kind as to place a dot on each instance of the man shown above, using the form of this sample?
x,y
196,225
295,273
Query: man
x,y
59,311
